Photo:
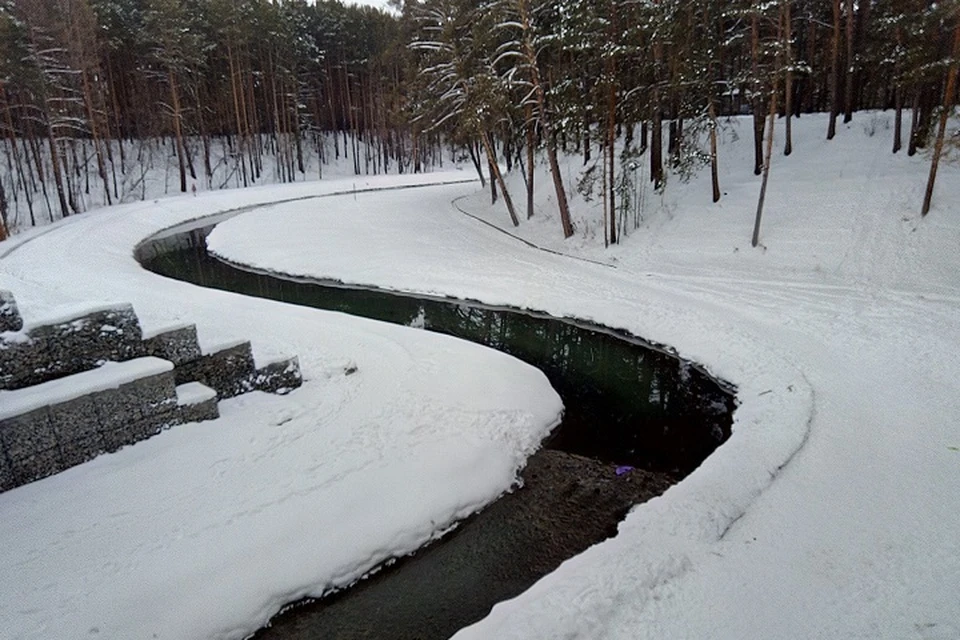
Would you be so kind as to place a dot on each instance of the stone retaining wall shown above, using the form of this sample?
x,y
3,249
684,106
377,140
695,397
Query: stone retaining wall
x,y
68,346
50,439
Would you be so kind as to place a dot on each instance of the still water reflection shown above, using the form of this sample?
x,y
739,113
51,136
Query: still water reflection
x,y
624,402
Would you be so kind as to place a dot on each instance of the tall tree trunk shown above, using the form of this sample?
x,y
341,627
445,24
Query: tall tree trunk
x,y
94,133
492,159
237,91
811,56
3,213
656,143
898,119
177,131
848,93
834,71
656,124
204,139
531,141
611,149
767,156
545,126
585,124
714,168
944,116
914,124
57,176
788,83
295,119
757,99
898,99
493,179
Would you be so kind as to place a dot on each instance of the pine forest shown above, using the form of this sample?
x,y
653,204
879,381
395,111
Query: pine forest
x,y
99,97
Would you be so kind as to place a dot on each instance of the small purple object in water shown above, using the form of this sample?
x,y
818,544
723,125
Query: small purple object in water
x,y
624,469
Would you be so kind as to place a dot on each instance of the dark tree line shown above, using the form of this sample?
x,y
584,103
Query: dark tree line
x,y
581,76
230,90
91,90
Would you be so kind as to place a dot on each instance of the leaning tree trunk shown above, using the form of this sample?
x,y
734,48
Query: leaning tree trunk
x,y
766,162
499,177
944,116
545,126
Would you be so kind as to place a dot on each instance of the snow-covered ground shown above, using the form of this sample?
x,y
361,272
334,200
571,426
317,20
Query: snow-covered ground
x,y
208,529
831,512
149,170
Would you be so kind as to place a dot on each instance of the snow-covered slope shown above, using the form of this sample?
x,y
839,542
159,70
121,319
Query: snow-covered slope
x,y
832,511
208,529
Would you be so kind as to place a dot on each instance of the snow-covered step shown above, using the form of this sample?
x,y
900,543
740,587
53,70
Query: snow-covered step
x,y
176,343
57,424
110,376
227,368
76,340
196,402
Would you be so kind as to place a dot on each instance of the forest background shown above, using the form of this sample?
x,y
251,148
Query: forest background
x,y
107,101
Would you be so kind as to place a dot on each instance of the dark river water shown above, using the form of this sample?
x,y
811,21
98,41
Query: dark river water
x,y
626,404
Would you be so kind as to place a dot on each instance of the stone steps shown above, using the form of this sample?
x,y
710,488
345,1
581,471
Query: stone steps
x,y
91,382
52,426
69,344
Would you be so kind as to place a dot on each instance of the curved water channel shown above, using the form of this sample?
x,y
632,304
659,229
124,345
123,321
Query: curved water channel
x,y
636,420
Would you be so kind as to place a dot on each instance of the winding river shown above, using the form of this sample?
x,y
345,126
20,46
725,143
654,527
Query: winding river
x,y
636,420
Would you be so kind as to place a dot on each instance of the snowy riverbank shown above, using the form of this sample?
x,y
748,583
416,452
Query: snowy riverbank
x,y
832,511
208,529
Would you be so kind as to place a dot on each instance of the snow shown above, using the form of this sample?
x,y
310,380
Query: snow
x,y
110,375
62,314
208,529
194,393
833,509
158,329
147,172
210,349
